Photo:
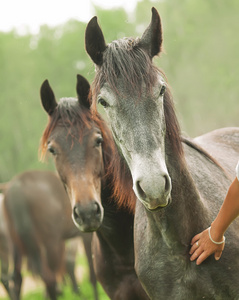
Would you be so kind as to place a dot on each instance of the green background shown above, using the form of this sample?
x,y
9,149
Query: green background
x,y
200,59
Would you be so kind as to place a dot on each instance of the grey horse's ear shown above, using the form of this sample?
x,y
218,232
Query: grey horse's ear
x,y
83,91
48,99
152,38
94,41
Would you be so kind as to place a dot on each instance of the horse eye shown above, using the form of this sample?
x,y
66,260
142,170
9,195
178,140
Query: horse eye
x,y
99,141
103,103
163,89
51,150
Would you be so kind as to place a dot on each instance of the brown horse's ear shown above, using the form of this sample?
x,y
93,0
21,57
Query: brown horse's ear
x,y
48,99
152,38
94,41
83,91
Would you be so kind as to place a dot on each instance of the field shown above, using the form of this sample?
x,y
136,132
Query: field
x,y
33,288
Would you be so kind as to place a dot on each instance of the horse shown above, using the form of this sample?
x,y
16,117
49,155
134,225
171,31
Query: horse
x,y
83,150
38,220
71,248
5,248
70,257
179,186
221,142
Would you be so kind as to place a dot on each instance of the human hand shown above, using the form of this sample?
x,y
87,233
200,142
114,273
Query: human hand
x,y
202,247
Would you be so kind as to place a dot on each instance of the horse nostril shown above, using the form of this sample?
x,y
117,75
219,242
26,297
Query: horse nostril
x,y
83,212
76,211
97,208
77,215
140,190
167,183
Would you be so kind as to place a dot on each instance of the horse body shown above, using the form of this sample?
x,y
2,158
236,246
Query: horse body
x,y
179,186
38,218
5,249
163,263
83,148
221,143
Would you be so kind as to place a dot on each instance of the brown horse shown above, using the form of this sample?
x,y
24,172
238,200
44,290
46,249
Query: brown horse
x,y
179,186
84,151
38,217
5,249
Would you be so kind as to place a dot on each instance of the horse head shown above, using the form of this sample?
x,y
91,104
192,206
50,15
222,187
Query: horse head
x,y
137,101
75,142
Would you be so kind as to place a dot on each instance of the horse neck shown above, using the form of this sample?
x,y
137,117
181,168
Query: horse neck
x,y
117,227
186,215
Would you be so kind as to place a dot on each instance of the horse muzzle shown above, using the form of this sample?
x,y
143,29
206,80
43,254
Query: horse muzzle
x,y
154,205
88,218
154,194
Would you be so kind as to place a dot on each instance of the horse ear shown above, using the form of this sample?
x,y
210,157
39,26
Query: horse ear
x,y
83,91
48,99
94,41
152,38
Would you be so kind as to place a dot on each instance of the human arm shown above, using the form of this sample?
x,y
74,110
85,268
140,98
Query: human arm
x,y
202,246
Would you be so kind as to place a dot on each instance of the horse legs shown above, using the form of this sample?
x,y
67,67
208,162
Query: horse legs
x,y
71,248
51,288
17,276
87,239
52,265
5,276
71,273
49,279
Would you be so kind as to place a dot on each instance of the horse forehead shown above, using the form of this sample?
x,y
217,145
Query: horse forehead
x,y
130,94
73,137
137,111
139,128
134,101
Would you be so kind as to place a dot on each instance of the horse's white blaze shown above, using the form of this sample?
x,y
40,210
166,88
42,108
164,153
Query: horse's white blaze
x,y
151,181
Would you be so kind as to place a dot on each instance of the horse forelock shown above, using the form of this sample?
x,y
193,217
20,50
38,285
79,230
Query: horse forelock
x,y
125,58
70,115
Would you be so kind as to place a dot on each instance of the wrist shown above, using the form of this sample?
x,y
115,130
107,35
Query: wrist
x,y
218,242
216,232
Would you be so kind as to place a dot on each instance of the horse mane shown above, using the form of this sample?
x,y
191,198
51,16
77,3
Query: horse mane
x,y
116,170
70,114
126,58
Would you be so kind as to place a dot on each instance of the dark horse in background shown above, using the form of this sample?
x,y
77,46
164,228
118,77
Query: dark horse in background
x,y
5,245
38,221
71,250
83,151
179,186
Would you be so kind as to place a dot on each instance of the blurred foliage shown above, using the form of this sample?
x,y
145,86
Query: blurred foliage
x,y
200,60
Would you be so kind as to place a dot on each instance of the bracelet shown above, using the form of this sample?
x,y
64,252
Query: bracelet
x,y
217,243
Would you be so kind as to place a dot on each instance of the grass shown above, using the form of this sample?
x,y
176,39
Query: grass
x,y
86,293
85,287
